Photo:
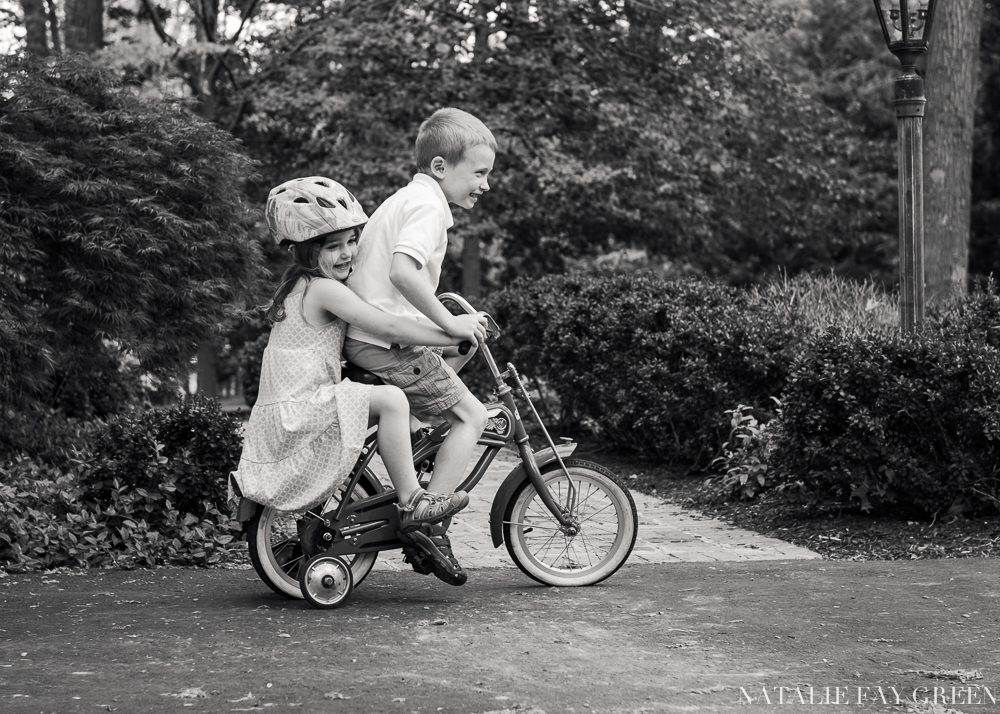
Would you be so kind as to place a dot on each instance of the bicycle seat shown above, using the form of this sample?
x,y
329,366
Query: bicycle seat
x,y
357,374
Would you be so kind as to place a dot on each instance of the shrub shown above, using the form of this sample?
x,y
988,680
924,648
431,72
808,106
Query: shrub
x,y
45,435
911,422
194,445
975,318
48,521
653,363
148,493
746,455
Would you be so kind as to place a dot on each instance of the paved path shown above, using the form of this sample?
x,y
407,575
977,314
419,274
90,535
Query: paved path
x,y
667,534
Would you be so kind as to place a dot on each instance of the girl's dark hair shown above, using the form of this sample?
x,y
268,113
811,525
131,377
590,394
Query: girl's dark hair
x,y
304,264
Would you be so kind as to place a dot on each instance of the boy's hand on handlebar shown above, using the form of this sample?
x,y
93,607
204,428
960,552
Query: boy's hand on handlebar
x,y
469,328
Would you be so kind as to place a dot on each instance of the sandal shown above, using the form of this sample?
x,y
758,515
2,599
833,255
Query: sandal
x,y
425,508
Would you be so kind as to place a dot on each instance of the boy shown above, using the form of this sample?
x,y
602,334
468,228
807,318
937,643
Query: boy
x,y
397,270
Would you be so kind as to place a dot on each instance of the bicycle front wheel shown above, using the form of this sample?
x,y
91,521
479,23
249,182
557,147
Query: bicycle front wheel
x,y
605,534
275,550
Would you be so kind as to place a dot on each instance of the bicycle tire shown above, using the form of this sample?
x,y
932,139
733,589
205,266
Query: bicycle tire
x,y
275,551
607,530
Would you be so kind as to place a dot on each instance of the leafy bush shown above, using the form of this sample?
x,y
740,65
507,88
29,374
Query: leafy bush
x,y
653,363
148,493
745,459
47,520
45,435
193,445
975,318
911,422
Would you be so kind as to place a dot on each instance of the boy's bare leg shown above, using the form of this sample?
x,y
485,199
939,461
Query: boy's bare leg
x,y
455,359
468,419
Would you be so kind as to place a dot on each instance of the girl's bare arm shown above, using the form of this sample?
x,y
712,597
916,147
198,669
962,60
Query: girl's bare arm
x,y
337,299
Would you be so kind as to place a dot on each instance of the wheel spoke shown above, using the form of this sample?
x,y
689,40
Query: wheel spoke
x,y
604,537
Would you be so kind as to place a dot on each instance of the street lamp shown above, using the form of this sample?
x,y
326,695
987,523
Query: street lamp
x,y
906,25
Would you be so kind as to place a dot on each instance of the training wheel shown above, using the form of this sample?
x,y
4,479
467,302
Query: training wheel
x,y
326,581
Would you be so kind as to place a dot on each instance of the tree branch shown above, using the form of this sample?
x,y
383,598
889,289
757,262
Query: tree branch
x,y
157,22
248,10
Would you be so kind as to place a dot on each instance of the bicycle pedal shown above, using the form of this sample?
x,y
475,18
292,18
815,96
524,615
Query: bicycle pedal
x,y
443,565
413,557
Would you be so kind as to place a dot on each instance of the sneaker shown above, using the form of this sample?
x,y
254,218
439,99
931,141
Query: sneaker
x,y
425,508
433,543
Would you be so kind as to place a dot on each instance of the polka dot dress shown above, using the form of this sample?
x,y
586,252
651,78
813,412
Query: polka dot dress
x,y
307,426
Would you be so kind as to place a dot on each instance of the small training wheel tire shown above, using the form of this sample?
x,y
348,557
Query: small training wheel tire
x,y
326,581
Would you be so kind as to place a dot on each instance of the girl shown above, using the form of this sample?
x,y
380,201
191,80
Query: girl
x,y
307,427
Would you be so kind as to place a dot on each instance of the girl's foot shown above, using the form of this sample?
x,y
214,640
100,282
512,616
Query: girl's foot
x,y
425,508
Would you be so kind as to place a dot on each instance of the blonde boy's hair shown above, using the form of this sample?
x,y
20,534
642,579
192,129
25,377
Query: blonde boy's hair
x,y
449,133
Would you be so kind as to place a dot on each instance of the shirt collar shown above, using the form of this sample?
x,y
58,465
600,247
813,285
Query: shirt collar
x,y
425,180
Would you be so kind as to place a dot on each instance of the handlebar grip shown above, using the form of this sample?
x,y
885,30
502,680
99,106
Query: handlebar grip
x,y
464,346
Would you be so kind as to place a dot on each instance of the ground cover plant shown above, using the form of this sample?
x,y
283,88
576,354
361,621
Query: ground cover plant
x,y
146,488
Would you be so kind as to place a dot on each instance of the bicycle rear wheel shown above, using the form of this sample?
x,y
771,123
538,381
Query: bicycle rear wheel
x,y
275,551
606,532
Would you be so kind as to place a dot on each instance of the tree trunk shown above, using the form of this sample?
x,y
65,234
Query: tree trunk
x,y
84,27
35,40
54,27
208,380
472,283
952,64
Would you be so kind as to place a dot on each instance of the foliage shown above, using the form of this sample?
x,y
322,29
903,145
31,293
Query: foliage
x,y
814,303
908,422
652,364
651,124
745,456
193,445
47,436
251,356
984,245
47,521
125,232
149,492
975,318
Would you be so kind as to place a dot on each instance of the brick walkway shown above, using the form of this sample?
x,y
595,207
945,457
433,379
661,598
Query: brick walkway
x,y
667,534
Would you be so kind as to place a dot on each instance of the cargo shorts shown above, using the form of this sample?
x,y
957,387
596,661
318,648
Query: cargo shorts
x,y
430,384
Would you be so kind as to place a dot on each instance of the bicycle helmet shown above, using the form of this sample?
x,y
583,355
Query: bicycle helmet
x,y
304,209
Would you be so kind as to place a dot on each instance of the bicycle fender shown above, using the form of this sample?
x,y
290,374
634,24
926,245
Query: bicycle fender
x,y
510,485
246,509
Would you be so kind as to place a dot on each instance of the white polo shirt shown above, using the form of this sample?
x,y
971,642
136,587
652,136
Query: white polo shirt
x,y
414,221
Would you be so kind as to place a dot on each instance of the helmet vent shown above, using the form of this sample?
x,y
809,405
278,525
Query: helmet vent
x,y
300,199
324,203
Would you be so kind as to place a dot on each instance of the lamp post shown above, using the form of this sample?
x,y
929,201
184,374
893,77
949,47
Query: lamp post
x,y
906,25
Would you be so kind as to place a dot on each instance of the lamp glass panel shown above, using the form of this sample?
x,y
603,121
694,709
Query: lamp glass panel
x,y
917,12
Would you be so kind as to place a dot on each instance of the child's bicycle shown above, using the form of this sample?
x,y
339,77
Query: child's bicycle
x,y
565,522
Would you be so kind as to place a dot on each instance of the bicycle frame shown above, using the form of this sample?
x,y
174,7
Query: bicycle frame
x,y
371,522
